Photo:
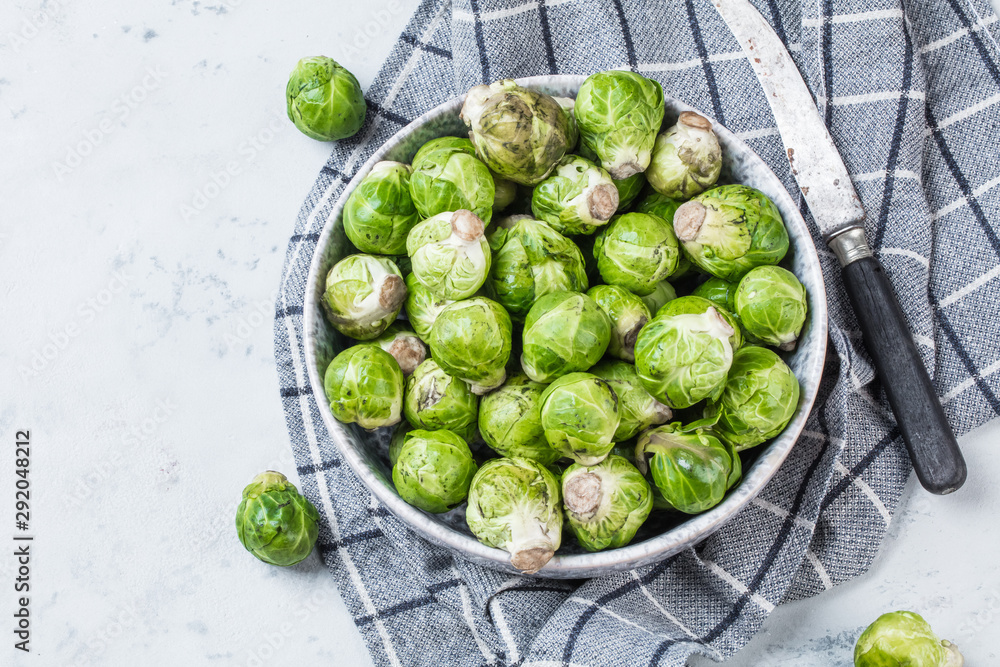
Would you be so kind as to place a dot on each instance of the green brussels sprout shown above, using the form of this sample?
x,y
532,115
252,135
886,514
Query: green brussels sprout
x,y
422,307
433,470
576,198
471,340
364,294
379,213
695,305
718,291
514,505
687,158
531,260
637,408
564,332
629,188
519,133
684,357
435,400
510,421
628,315
405,346
730,229
658,298
606,503
659,205
691,467
450,254
275,522
447,176
573,132
904,638
324,99
636,251
619,114
771,304
396,441
580,417
760,398
365,386
505,192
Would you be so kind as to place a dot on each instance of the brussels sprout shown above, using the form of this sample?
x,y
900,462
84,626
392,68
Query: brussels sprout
x,y
771,304
695,305
519,133
691,468
510,422
658,298
760,398
422,307
619,114
363,295
659,205
683,358
628,315
450,254
532,260
573,132
718,291
396,441
514,505
324,99
687,158
564,332
379,213
275,522
506,192
365,386
470,340
636,251
904,638
435,400
637,408
447,176
405,346
576,198
730,229
580,417
606,503
628,189
433,470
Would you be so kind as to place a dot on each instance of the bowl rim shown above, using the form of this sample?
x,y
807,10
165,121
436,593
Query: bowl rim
x,y
635,554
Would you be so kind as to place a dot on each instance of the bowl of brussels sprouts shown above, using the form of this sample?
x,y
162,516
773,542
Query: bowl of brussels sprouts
x,y
565,325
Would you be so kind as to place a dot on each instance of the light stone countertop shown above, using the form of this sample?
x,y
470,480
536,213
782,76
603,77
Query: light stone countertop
x,y
138,280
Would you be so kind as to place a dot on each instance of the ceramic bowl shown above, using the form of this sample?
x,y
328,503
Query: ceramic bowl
x,y
662,535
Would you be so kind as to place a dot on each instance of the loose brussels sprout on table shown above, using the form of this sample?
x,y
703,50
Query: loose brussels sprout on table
x,y
687,158
514,504
447,176
531,260
364,385
636,251
519,133
450,254
324,100
275,522
577,198
619,114
692,468
628,315
435,400
405,346
904,638
363,295
636,406
380,213
471,340
433,470
606,503
730,229
580,416
510,420
564,332
771,304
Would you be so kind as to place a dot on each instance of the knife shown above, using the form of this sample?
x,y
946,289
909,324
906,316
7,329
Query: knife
x,y
826,186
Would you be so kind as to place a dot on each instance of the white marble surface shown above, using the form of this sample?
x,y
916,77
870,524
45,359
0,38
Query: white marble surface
x,y
137,347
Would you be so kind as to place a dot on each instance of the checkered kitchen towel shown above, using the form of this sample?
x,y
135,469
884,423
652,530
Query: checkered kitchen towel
x,y
911,95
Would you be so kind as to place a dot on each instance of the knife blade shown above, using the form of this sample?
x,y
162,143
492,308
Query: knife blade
x,y
822,176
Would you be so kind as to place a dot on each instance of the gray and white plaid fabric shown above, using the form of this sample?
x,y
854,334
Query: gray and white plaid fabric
x,y
911,93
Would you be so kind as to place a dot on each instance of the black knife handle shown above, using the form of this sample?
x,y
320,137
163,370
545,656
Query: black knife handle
x,y
929,439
